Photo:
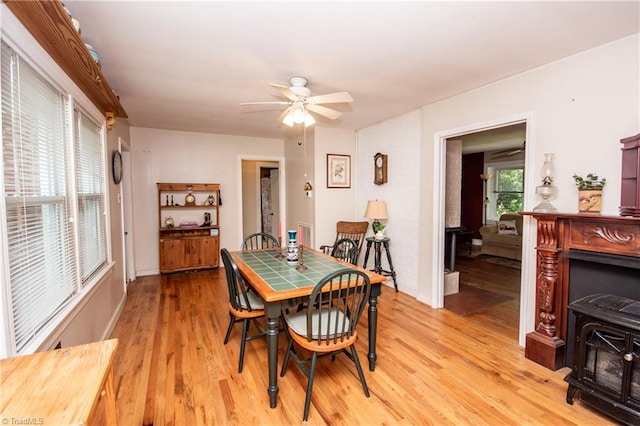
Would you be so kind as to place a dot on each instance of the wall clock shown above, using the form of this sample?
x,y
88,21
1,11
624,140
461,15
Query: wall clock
x,y
116,167
380,169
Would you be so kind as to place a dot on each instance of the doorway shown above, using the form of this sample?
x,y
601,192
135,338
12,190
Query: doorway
x,y
269,200
526,298
261,201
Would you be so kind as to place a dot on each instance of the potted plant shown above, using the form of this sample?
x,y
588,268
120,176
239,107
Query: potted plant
x,y
589,192
378,229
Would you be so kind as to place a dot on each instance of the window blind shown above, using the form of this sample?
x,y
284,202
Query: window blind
x,y
40,238
92,240
55,197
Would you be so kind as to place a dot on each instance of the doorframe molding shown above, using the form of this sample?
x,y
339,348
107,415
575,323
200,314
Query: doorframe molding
x,y
126,200
527,284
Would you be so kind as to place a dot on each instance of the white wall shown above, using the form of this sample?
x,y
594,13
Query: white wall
x,y
333,204
172,156
580,108
298,163
400,139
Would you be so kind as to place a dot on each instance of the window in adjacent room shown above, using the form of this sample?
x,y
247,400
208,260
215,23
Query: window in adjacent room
x,y
509,190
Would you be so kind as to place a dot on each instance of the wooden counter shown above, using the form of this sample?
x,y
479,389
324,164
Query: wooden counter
x,y
60,387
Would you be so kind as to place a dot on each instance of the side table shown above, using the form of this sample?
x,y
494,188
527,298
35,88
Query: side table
x,y
379,244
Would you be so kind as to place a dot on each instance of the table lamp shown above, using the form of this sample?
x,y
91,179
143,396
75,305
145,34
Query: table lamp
x,y
376,210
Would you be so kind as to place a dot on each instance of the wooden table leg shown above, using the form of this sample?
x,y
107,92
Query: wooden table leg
x,y
110,400
273,313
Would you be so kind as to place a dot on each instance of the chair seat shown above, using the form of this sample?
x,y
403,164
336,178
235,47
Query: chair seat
x,y
298,323
254,300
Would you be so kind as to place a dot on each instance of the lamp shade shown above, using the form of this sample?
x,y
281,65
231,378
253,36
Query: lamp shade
x,y
376,210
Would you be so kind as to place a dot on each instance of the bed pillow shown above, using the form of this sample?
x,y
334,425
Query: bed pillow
x,y
507,227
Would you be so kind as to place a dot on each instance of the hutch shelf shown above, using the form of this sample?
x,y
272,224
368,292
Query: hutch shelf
x,y
189,228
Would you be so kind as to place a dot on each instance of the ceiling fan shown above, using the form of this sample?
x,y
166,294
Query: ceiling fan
x,y
300,102
504,153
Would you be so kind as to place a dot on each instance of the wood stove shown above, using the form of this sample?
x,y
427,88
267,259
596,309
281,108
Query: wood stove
x,y
606,362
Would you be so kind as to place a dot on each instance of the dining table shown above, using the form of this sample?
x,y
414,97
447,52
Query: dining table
x,y
283,285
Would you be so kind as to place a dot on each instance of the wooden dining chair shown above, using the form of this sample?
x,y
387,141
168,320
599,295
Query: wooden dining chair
x,y
327,327
259,240
244,305
347,250
355,231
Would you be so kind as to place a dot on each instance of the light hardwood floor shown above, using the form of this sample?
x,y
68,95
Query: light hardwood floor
x,y
476,271
434,367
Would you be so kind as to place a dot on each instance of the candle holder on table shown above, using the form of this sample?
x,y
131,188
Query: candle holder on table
x,y
301,266
280,255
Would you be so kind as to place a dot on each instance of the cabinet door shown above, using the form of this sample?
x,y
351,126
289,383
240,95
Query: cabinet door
x,y
188,253
171,254
203,252
215,248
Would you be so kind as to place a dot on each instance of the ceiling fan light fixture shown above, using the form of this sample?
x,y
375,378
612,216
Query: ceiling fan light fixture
x,y
299,116
308,120
288,120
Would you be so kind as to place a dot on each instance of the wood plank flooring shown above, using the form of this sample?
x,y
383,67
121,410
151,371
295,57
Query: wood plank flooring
x,y
434,367
476,272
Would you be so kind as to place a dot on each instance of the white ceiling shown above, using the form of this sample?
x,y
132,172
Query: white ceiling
x,y
187,65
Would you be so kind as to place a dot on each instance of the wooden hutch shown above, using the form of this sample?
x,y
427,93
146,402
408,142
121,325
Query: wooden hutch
x,y
189,228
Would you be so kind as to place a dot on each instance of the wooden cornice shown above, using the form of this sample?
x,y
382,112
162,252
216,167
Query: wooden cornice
x,y
49,24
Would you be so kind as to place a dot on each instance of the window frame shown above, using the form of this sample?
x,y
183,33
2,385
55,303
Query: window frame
x,y
21,41
492,193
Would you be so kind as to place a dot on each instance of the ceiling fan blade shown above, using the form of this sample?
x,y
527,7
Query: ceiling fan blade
x,y
324,111
506,153
266,103
330,98
285,91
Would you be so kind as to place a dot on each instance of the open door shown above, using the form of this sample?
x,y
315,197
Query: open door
x,y
127,215
275,201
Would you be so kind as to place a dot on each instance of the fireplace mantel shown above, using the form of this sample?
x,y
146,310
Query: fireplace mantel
x,y
558,233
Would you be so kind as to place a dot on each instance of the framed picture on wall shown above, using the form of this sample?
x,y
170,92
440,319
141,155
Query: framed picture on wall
x,y
338,171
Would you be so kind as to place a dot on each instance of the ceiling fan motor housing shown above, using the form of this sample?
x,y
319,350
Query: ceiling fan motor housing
x,y
298,86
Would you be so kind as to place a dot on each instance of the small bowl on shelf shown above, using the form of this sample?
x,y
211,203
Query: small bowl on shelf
x,y
94,54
